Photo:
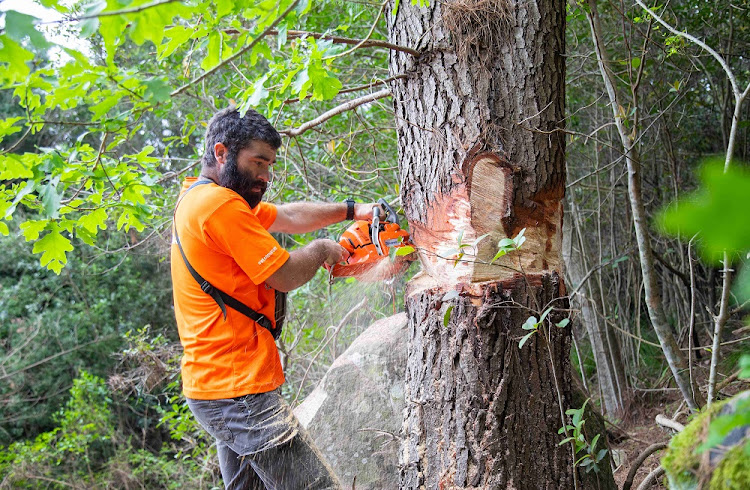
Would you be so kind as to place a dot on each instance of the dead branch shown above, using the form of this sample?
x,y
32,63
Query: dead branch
x,y
639,461
669,423
346,106
651,478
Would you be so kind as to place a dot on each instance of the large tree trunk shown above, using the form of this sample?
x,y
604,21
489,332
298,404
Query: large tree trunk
x,y
480,152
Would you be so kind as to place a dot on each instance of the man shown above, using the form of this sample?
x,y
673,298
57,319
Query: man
x,y
231,369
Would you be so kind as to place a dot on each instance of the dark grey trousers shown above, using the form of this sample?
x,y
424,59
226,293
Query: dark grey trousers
x,y
261,444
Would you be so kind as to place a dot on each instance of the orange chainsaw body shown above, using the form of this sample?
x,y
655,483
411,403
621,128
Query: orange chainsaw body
x,y
370,259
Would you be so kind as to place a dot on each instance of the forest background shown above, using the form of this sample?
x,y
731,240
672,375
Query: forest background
x,y
104,106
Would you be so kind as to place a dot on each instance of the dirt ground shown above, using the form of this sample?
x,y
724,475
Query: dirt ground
x,y
640,430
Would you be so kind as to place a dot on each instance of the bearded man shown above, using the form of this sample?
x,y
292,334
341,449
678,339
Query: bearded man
x,y
227,271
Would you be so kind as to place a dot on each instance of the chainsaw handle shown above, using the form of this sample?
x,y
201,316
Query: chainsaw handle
x,y
390,214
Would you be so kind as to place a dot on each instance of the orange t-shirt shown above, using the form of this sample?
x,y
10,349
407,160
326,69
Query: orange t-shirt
x,y
229,245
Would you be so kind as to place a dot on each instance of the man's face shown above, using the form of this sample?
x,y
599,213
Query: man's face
x,y
249,172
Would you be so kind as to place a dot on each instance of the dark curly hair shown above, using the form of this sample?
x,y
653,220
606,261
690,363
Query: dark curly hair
x,y
237,132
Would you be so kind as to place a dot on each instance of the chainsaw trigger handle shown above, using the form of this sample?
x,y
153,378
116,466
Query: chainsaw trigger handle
x,y
390,214
375,230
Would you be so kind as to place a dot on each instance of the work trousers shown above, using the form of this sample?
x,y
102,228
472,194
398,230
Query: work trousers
x,y
261,444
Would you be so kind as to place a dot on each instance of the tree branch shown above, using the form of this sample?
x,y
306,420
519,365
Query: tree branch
x,y
356,89
639,461
362,43
239,53
347,106
132,10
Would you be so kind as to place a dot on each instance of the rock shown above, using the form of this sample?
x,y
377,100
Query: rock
x,y
354,415
689,463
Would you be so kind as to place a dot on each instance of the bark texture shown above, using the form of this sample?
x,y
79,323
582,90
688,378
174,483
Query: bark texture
x,y
482,413
478,117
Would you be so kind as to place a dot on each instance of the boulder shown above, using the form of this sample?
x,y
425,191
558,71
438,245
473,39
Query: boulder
x,y
354,415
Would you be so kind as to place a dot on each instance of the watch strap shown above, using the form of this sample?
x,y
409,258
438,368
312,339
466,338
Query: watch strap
x,y
349,209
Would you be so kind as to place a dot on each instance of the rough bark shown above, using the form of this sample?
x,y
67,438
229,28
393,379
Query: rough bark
x,y
480,152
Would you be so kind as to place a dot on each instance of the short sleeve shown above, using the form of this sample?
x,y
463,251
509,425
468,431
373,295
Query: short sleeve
x,y
241,233
266,213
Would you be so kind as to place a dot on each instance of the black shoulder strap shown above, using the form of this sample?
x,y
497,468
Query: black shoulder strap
x,y
222,299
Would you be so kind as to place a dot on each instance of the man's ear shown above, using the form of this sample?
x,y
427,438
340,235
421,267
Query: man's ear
x,y
220,153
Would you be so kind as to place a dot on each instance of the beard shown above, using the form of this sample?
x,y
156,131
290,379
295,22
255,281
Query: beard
x,y
232,178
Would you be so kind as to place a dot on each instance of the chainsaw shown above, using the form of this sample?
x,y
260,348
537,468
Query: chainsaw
x,y
371,245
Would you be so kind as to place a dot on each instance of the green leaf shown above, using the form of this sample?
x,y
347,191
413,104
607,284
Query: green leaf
x,y
20,26
213,51
531,323
4,228
563,323
499,254
447,316
27,189
51,199
718,211
157,90
94,220
635,63
178,35
104,106
525,338
53,247
281,37
404,250
395,7
12,167
745,366
506,243
544,315
15,59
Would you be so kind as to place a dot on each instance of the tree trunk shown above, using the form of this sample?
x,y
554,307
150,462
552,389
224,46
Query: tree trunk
x,y
480,152
609,367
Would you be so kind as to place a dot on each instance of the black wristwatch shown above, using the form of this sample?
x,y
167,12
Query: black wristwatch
x,y
349,209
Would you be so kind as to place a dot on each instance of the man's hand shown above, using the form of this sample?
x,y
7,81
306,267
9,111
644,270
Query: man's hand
x,y
304,262
364,210
336,253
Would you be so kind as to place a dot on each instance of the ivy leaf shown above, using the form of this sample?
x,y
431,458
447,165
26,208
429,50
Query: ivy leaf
x,y
53,247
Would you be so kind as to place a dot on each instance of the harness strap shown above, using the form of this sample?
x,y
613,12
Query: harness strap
x,y
221,298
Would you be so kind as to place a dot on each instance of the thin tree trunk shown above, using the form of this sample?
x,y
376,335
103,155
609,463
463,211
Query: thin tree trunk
x,y
675,359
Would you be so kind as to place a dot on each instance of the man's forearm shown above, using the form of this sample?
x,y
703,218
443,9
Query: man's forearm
x,y
303,217
301,266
